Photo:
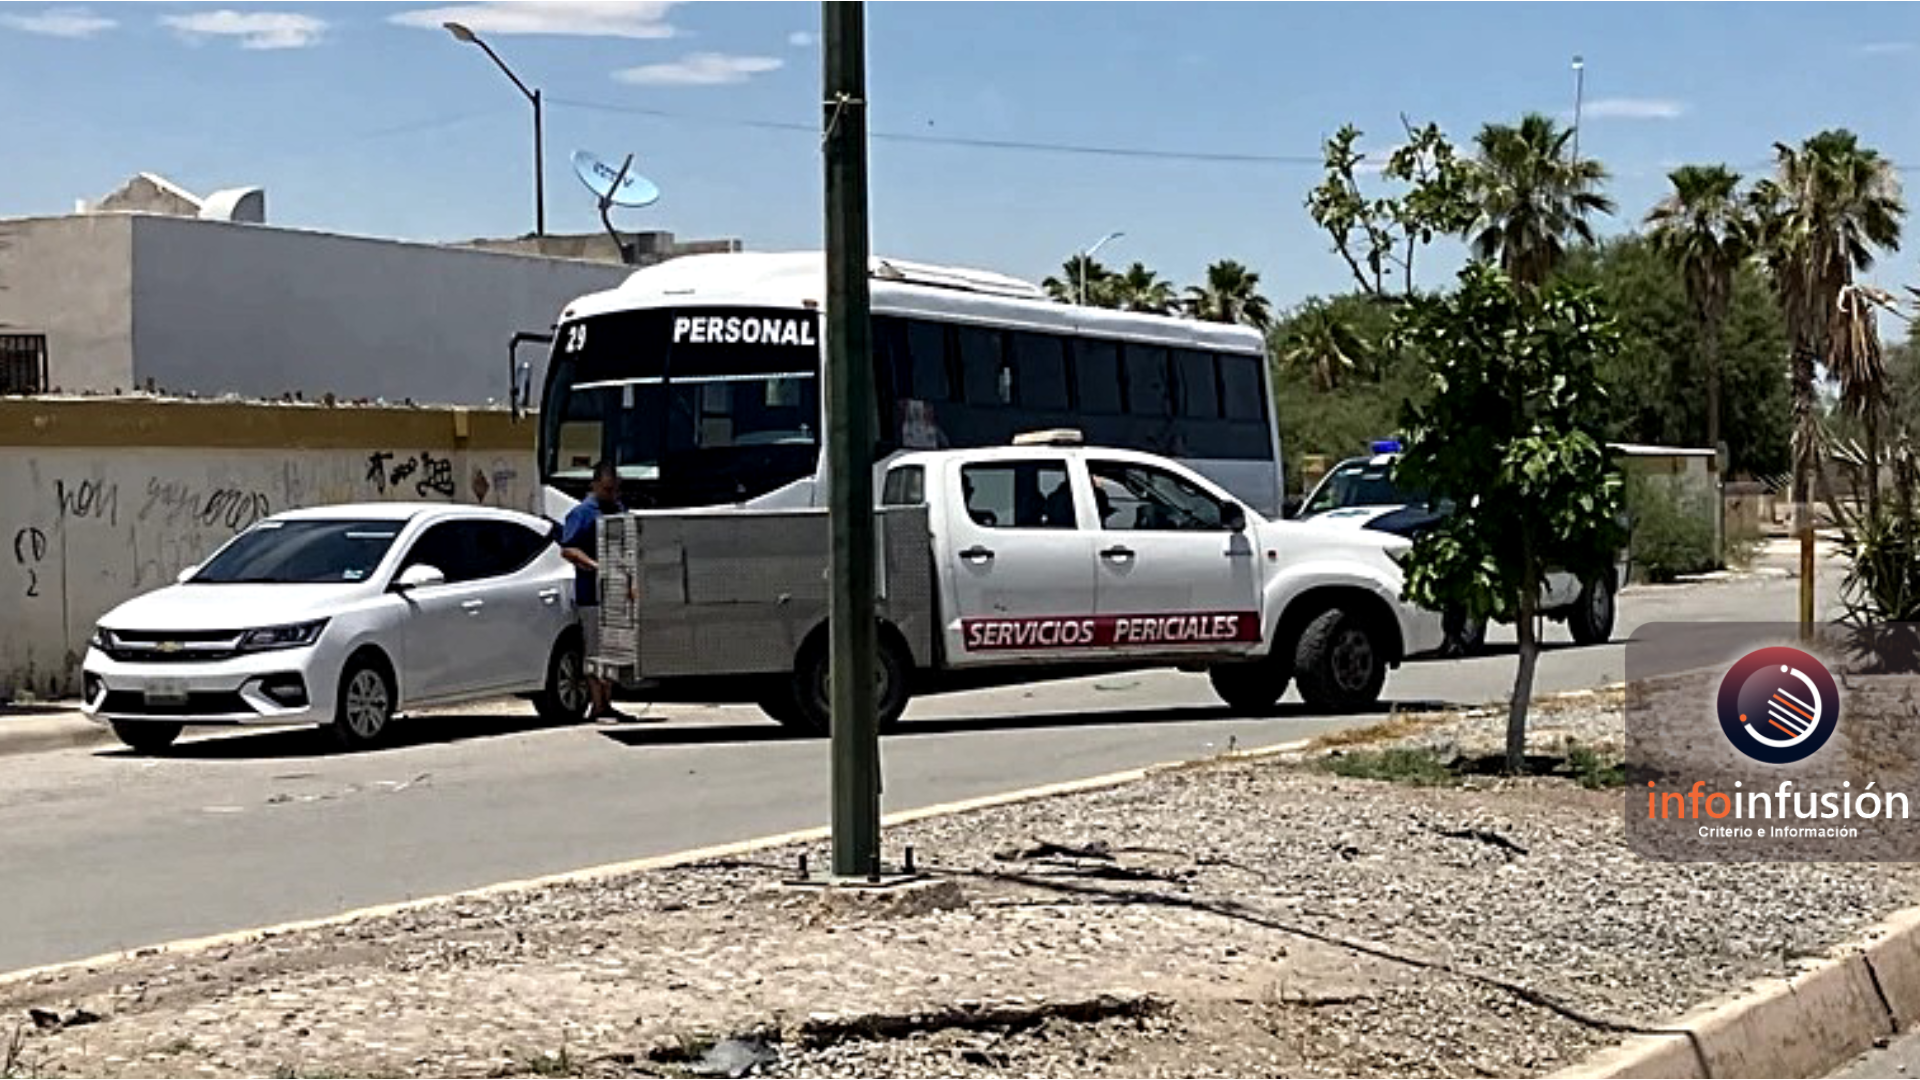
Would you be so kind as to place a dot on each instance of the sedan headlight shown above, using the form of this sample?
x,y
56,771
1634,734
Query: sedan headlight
x,y
292,636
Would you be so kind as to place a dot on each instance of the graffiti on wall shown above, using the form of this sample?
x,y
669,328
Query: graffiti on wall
x,y
29,551
426,472
173,503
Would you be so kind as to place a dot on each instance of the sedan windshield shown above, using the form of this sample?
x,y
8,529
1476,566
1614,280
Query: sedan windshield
x,y
301,552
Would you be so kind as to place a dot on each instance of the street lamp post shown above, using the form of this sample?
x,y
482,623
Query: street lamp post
x,y
1579,91
461,33
1086,257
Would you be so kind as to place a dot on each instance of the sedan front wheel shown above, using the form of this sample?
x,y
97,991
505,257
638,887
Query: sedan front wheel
x,y
365,706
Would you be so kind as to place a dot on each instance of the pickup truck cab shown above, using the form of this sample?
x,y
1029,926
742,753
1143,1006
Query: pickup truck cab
x,y
1362,493
1027,560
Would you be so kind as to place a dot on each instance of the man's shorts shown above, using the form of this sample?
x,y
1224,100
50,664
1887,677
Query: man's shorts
x,y
590,628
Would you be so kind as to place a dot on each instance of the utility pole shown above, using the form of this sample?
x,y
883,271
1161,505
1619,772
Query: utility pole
x,y
850,440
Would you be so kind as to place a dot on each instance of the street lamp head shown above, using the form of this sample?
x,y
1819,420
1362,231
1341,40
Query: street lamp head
x,y
461,33
1579,62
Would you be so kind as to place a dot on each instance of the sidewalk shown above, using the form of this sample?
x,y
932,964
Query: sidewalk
x,y
1235,917
32,729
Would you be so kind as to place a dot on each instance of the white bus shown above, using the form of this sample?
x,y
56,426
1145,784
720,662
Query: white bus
x,y
701,380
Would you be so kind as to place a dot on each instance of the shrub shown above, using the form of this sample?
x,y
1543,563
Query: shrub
x,y
1672,530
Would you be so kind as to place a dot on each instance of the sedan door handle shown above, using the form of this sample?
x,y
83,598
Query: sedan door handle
x,y
472,605
1117,552
977,553
548,596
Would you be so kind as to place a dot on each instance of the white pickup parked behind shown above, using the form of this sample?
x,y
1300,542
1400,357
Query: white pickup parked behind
x,y
1012,564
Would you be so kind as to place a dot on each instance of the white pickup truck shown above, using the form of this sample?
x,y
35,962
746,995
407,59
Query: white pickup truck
x,y
1011,564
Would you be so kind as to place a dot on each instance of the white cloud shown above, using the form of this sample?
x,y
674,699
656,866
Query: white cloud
x,y
700,69
255,29
1886,48
802,39
1623,108
61,23
579,18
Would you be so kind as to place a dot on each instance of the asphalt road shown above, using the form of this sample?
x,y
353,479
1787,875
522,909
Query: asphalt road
x,y
103,850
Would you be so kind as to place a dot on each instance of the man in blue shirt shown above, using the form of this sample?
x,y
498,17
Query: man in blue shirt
x,y
579,540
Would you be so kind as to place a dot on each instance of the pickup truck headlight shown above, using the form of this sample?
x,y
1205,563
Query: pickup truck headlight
x,y
102,639
1400,554
292,636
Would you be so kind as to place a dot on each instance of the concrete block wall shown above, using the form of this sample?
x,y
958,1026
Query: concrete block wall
x,y
101,500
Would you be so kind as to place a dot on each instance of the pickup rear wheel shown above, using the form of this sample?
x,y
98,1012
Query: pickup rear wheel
x,y
1340,662
1251,686
812,702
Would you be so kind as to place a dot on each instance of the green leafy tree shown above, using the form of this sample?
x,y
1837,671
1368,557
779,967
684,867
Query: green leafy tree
x,y
1533,196
1231,294
1339,422
1376,235
1702,227
1512,434
1656,379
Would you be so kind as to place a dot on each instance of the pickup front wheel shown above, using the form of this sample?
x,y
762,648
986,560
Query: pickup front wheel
x,y
1339,662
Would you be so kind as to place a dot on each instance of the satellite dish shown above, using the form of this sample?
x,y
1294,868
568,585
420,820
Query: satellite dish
x,y
610,184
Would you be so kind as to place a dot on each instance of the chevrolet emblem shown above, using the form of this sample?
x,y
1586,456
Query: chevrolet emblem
x,y
169,647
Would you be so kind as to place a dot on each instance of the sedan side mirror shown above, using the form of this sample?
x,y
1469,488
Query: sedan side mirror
x,y
1234,516
418,576
186,575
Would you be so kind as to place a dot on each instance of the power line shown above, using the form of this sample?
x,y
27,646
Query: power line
x,y
1081,149
1148,153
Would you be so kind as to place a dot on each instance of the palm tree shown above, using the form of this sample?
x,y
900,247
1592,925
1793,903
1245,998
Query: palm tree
x,y
1533,194
1854,357
1231,295
1831,205
1140,289
1702,228
1081,272
1319,341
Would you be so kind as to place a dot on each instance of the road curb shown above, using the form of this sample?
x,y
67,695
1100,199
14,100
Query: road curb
x,y
60,731
190,946
1805,1025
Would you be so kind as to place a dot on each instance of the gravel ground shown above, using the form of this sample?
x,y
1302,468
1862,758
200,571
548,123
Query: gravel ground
x,y
1237,917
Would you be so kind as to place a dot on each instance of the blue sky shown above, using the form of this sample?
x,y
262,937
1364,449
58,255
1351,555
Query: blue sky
x,y
368,118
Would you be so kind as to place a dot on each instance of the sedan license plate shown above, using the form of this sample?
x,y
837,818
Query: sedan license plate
x,y
165,692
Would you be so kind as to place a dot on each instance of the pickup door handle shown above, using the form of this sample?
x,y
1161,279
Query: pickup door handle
x,y
977,553
1117,552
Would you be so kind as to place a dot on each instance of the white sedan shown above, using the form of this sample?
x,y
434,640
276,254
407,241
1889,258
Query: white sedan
x,y
344,616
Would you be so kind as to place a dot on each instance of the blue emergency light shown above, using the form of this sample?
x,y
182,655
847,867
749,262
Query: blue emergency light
x,y
1386,446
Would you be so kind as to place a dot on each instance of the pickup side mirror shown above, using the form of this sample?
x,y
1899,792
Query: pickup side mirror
x,y
1290,506
418,576
186,574
1234,517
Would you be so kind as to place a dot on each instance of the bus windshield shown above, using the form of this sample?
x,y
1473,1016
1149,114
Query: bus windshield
x,y
693,407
